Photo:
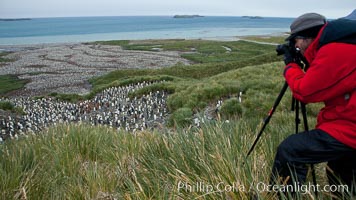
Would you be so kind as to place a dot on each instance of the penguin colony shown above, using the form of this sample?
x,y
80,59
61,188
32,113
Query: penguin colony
x,y
112,107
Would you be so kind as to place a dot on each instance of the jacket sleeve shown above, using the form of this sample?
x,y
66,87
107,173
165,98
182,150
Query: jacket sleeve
x,y
331,74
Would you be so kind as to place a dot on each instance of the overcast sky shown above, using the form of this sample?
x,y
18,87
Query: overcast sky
x,y
273,8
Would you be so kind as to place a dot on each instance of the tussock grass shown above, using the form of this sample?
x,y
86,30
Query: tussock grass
x,y
78,161
85,162
231,108
5,105
73,162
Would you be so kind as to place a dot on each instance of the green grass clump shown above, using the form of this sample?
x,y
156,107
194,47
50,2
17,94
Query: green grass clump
x,y
8,106
5,105
181,117
9,83
231,108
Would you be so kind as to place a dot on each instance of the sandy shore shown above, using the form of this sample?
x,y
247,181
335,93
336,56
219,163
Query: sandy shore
x,y
66,68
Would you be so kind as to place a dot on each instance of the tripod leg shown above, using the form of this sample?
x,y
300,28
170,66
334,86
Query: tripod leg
x,y
297,120
304,114
293,104
267,119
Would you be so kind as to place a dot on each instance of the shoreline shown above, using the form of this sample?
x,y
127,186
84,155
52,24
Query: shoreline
x,y
6,47
19,47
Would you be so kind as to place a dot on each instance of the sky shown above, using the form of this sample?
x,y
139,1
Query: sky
x,y
331,9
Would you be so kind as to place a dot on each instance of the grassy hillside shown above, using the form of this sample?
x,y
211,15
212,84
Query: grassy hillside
x,y
84,162
193,87
79,161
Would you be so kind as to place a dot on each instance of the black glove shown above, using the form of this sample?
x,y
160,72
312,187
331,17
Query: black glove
x,y
287,52
288,58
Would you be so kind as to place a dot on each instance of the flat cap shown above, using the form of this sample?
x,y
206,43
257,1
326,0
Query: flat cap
x,y
304,22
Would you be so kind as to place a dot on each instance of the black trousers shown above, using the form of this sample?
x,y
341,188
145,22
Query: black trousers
x,y
313,147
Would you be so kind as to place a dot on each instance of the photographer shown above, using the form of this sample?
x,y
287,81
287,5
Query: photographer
x,y
329,48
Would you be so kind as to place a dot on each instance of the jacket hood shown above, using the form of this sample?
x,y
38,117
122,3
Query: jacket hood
x,y
310,52
340,30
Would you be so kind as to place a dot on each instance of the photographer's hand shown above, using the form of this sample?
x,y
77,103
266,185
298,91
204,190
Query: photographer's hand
x,y
288,58
288,52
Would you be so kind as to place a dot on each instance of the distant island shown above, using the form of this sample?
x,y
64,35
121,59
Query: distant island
x,y
253,17
15,19
186,16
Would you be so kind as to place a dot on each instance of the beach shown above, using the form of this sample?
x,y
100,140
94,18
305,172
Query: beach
x,y
67,68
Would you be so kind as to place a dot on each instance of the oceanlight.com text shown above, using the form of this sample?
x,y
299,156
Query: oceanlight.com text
x,y
301,188
205,188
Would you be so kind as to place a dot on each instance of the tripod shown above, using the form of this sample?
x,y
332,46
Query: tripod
x,y
299,59
295,107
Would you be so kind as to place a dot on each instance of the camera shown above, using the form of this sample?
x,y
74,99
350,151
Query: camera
x,y
290,52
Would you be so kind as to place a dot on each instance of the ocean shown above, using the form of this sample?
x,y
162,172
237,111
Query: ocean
x,y
87,29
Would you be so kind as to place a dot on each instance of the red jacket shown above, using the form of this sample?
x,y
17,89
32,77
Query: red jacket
x,y
331,78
